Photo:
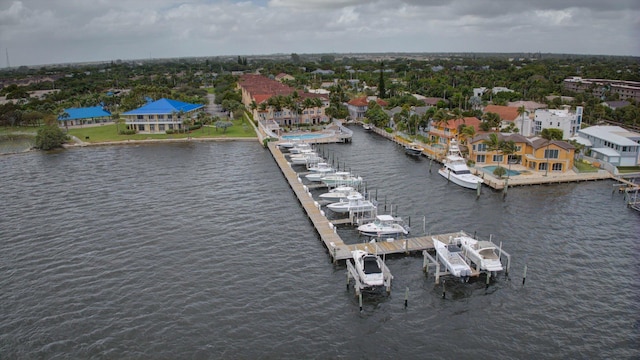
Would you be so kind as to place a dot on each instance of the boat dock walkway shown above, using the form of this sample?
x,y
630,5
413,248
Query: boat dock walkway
x,y
327,230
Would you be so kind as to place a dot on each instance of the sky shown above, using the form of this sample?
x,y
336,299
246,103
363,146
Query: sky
x,y
38,32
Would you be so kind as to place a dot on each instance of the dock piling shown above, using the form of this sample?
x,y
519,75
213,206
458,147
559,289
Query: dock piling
x,y
443,289
406,297
524,274
360,300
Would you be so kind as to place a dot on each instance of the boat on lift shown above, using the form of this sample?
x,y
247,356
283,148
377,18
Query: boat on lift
x,y
318,171
338,193
341,178
369,268
353,203
451,256
482,253
384,226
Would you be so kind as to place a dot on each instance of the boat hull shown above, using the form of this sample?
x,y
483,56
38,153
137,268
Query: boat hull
x,y
465,182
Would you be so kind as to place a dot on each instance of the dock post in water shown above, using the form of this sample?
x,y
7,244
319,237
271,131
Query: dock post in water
x,y
443,289
360,300
478,189
524,275
406,297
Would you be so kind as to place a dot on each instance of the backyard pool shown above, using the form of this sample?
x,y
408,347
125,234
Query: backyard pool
x,y
490,169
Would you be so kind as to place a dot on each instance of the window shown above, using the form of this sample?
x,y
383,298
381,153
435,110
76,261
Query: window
x,y
542,166
160,117
170,126
169,117
551,154
139,117
556,167
482,147
152,127
161,127
480,158
497,158
140,127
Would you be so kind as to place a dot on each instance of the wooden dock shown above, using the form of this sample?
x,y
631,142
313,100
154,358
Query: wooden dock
x,y
327,230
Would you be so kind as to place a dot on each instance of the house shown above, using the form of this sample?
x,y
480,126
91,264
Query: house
x,y
442,133
257,90
536,154
84,116
508,115
613,105
358,107
161,115
612,144
561,119
284,77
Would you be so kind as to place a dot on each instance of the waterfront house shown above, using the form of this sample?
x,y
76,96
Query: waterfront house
x,y
612,144
534,153
158,116
442,133
563,119
84,116
358,107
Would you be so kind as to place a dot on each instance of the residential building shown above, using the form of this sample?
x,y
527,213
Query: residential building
x,y
284,77
536,154
257,90
84,116
561,119
482,90
442,133
603,87
612,144
358,107
158,116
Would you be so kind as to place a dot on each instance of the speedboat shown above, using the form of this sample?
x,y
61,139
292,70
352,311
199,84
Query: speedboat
x,y
338,193
306,159
480,252
451,257
354,202
366,126
369,268
413,149
286,145
319,170
384,226
456,170
341,178
297,149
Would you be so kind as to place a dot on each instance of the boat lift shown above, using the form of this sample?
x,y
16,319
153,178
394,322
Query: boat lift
x,y
430,262
359,286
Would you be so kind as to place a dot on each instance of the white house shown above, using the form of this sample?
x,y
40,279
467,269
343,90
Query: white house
x,y
561,119
613,144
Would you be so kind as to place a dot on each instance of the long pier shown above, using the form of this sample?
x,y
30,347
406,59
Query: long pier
x,y
327,230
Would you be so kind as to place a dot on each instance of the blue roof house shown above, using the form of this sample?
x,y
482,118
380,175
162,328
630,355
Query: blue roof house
x,y
84,116
161,115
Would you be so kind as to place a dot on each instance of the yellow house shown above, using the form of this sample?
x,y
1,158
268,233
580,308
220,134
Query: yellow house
x,y
536,154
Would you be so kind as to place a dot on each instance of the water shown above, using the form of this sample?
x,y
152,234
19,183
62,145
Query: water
x,y
200,250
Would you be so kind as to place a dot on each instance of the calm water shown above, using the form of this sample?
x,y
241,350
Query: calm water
x,y
202,251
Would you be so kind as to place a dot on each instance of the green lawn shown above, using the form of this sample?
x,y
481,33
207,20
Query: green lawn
x,y
584,167
108,132
628,169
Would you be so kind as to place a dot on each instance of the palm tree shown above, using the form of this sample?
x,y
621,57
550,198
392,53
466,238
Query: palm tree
x,y
467,132
521,112
508,148
492,119
494,144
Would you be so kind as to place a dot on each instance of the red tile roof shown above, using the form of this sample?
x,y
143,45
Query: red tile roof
x,y
362,101
508,113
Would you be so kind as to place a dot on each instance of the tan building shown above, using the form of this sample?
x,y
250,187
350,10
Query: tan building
x,y
604,87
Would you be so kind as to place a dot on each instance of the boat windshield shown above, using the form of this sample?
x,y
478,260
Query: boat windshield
x,y
371,265
462,172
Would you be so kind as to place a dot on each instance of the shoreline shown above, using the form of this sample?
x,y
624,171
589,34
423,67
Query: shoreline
x,y
80,143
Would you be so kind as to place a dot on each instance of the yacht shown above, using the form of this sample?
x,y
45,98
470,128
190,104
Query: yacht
x,y
456,170
369,268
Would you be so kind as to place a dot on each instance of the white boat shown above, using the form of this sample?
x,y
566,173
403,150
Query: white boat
x,y
341,178
413,149
354,202
369,268
319,170
338,193
456,170
306,159
286,145
297,148
384,226
480,252
366,126
451,257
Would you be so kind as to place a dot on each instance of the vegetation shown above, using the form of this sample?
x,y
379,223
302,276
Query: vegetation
x,y
50,137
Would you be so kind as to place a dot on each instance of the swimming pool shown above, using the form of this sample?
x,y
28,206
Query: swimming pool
x,y
490,169
304,136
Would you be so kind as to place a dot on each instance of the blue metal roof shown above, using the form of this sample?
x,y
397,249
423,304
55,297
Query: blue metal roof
x,y
164,106
85,113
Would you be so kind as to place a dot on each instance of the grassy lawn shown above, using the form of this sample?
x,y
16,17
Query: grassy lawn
x,y
628,169
584,167
108,132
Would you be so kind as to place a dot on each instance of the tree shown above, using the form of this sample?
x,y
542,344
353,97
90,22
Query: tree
x,y
494,143
492,119
50,137
508,148
381,89
467,132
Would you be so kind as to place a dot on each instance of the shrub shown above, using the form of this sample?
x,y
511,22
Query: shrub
x,y
127,132
169,131
50,137
500,172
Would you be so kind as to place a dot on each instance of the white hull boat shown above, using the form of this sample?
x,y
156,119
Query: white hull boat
x,y
298,148
306,160
353,202
480,252
384,226
341,178
413,149
455,169
451,257
369,268
319,170
338,193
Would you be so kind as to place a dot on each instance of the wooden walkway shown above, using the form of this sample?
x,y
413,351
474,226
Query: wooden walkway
x,y
327,231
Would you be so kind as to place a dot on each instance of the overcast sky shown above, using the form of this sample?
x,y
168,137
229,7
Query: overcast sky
x,y
59,31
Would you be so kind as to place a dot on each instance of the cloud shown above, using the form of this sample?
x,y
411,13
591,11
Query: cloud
x,y
45,31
